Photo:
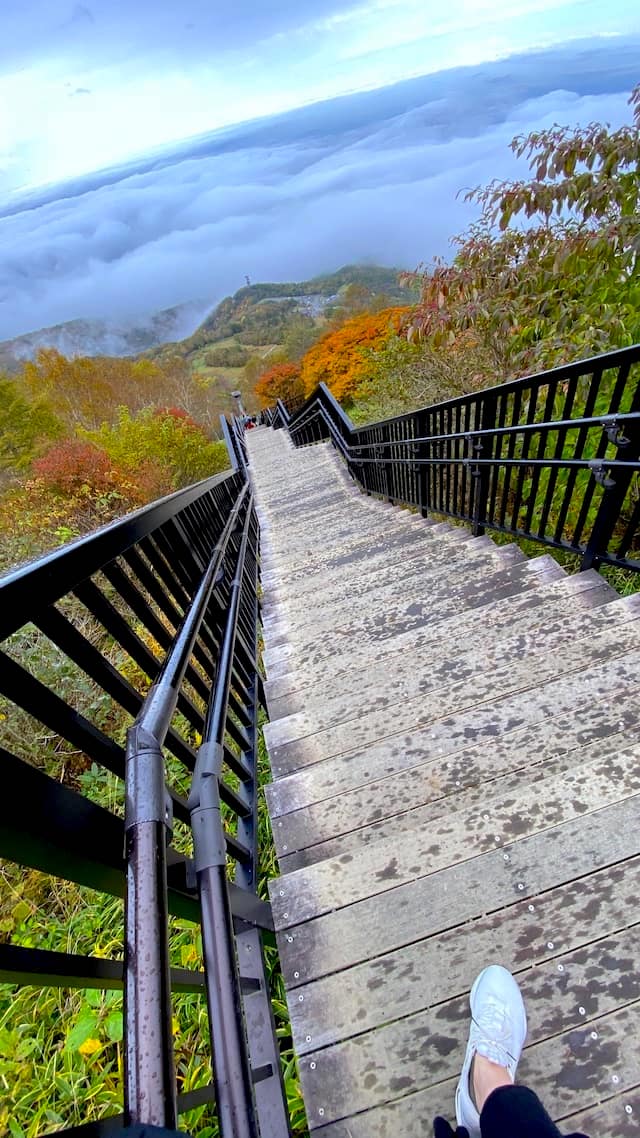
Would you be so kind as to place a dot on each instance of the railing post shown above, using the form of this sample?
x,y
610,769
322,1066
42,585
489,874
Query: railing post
x,y
150,1081
615,490
423,470
231,1065
483,446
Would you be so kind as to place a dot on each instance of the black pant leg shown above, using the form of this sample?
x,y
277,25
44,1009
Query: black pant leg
x,y
516,1112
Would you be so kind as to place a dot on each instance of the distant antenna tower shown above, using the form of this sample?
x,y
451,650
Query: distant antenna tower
x,y
247,279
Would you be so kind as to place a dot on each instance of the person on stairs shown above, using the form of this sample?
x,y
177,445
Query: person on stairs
x,y
488,1104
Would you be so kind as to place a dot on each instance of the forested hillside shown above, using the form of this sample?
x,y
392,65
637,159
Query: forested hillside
x,y
84,439
264,324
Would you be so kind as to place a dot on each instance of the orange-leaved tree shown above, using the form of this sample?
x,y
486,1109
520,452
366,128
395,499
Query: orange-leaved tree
x,y
340,360
282,381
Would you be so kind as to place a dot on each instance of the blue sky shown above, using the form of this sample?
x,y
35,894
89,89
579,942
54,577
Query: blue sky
x,y
88,90
83,85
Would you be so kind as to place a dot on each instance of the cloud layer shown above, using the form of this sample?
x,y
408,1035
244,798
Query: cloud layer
x,y
372,176
88,83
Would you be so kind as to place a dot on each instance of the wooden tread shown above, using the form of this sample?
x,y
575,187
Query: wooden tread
x,y
454,741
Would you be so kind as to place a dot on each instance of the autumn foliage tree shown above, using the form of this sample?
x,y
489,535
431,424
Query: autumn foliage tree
x,y
68,466
340,358
87,391
282,381
166,441
550,271
26,427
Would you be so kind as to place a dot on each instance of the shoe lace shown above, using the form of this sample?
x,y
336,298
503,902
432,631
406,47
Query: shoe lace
x,y
494,1029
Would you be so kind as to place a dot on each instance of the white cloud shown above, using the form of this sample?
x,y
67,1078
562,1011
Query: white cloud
x,y
371,177
156,71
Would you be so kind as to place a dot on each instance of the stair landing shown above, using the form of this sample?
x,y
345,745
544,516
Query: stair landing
x,y
454,740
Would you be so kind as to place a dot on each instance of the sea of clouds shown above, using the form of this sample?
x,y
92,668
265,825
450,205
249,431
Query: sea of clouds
x,y
374,176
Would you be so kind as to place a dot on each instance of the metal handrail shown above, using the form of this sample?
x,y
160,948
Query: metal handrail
x,y
172,590
552,457
150,1090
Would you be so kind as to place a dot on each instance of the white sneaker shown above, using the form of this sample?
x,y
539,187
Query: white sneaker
x,y
498,1031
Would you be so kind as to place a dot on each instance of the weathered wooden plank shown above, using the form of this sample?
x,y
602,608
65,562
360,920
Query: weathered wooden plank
x,y
617,1118
572,1072
309,556
341,881
422,1049
435,533
286,535
456,894
498,613
358,548
442,692
473,785
319,496
425,577
377,550
339,585
283,597
312,488
406,613
413,578
431,555
327,498
379,686
286,539
314,491
441,966
310,551
444,737
551,602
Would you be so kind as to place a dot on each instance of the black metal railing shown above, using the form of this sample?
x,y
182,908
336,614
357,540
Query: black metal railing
x,y
280,414
233,435
148,629
553,457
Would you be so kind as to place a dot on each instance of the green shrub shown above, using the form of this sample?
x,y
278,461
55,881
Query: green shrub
x,y
167,437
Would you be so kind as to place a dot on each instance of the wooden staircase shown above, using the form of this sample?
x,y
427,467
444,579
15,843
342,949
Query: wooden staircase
x,y
454,740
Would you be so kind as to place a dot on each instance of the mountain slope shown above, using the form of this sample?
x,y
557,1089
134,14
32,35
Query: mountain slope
x,y
262,320
103,337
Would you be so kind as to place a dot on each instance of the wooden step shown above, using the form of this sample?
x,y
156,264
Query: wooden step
x,y
444,738
458,893
318,588
423,576
374,627
455,746
395,678
605,633
473,781
466,626
358,554
510,816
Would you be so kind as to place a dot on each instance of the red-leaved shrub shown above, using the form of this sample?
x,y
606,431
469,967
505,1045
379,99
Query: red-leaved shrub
x,y
71,464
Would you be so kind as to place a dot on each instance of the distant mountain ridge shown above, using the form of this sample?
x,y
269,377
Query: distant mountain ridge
x,y
257,313
253,312
106,338
265,321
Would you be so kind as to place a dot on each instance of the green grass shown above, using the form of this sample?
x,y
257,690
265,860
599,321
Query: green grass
x,y
62,1048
